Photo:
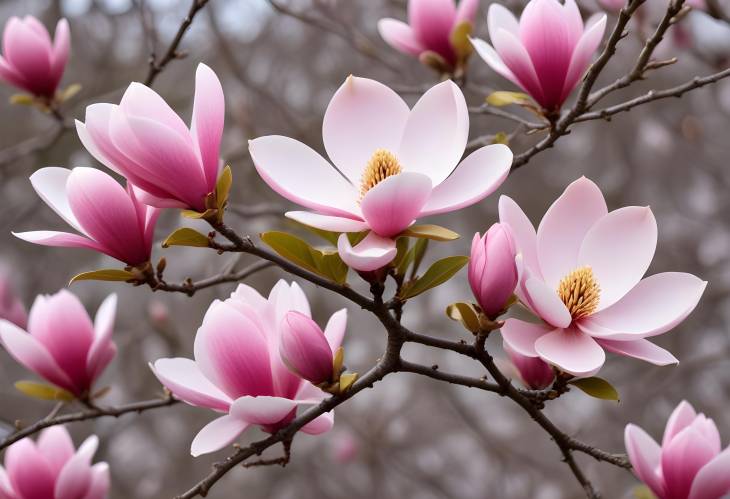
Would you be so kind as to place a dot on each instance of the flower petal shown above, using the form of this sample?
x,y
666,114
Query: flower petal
x,y
29,471
431,21
313,183
327,222
523,232
521,336
217,434
262,410
74,479
50,185
644,454
682,416
475,178
713,479
640,349
30,54
61,49
466,10
581,58
140,101
392,205
372,253
100,482
185,380
206,126
334,331
59,239
546,303
400,36
492,58
56,445
320,424
515,57
571,351
682,459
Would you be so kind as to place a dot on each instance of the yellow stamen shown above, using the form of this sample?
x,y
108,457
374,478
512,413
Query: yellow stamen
x,y
580,292
382,165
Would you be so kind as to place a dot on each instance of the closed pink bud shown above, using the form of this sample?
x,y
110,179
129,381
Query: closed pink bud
x,y
62,345
52,468
534,372
30,60
11,308
304,348
689,464
492,269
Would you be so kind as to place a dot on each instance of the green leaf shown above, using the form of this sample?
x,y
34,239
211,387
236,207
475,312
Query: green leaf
x,y
501,138
43,391
419,251
466,313
196,215
103,275
597,387
402,249
503,98
327,235
440,272
430,231
356,237
346,381
223,187
68,92
186,237
459,39
326,263
643,492
22,100
332,266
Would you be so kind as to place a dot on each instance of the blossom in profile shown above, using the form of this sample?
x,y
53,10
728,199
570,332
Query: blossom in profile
x,y
144,140
238,370
492,269
533,372
689,464
546,52
110,219
31,61
581,273
51,468
62,345
390,166
306,349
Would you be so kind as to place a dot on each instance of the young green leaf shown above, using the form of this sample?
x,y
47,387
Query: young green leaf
x,y
502,98
326,263
223,187
186,236
466,314
430,231
43,391
440,272
103,275
597,387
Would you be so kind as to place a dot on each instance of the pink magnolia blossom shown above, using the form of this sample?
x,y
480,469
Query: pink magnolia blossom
x,y
62,345
305,348
533,372
690,464
144,140
429,28
11,308
393,165
31,61
492,269
546,53
238,370
581,273
52,468
111,220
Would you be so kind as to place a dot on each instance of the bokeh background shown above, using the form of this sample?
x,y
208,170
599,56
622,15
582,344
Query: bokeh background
x,y
409,437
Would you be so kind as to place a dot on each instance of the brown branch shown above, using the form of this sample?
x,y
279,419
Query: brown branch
x,y
190,287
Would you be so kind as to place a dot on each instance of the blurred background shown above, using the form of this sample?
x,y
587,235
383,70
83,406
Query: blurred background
x,y
409,437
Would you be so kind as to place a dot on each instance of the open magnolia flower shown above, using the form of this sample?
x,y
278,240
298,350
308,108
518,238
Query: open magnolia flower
x,y
144,140
52,468
62,345
111,219
393,165
581,273
238,369
546,52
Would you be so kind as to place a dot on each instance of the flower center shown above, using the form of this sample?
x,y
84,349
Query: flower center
x,y
382,164
580,292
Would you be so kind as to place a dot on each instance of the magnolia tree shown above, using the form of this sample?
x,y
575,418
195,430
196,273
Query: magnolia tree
x,y
553,303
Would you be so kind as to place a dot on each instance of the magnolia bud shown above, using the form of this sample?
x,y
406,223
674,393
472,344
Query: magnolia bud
x,y
492,270
534,372
304,348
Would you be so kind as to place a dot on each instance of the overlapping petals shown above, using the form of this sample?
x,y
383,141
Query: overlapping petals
x,y
30,60
546,52
111,220
422,147
238,369
144,140
61,344
616,248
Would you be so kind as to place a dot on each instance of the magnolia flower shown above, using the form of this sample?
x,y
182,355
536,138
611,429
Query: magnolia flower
x,y
145,141
112,220
11,308
52,468
305,348
430,28
492,269
62,345
238,371
581,273
393,166
546,52
689,464
533,372
31,61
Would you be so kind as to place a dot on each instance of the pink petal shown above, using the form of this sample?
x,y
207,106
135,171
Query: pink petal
x,y
320,424
327,222
492,58
30,55
314,183
209,111
564,227
97,359
56,445
640,349
310,394
436,133
587,45
304,349
29,471
33,355
475,178
59,239
523,232
654,306
546,303
100,482
140,101
372,253
393,204
11,76
262,410
335,329
217,434
713,479
521,336
500,17
515,57
400,36
644,454
6,488
61,49
619,249
682,416
466,10
431,21
50,185
185,380
362,117
682,459
571,351
75,477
